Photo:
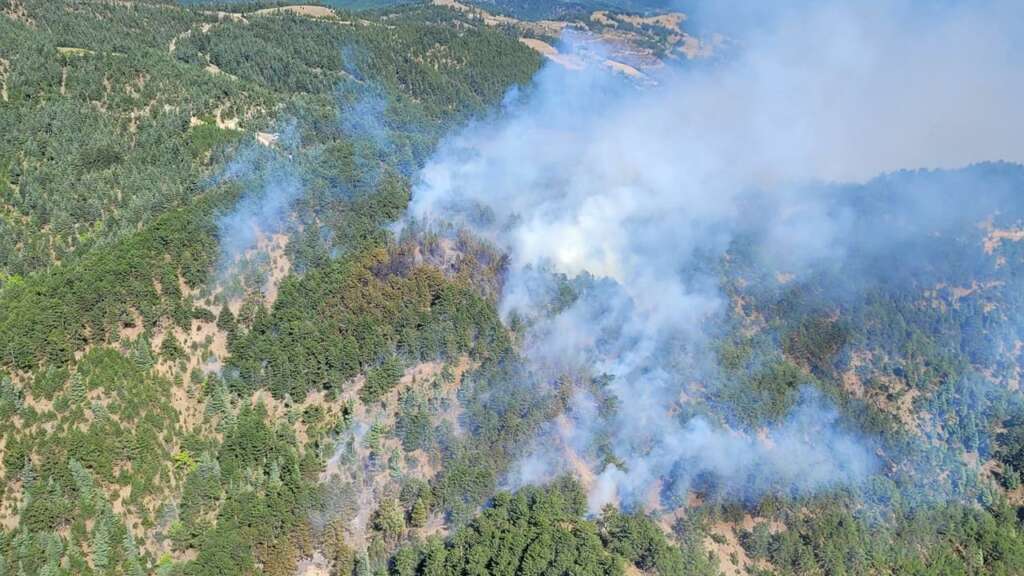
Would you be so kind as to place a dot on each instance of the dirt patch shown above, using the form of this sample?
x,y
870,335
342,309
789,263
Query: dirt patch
x,y
267,263
16,11
487,17
40,405
774,526
941,294
603,17
672,21
10,515
120,499
581,469
629,43
632,570
173,44
624,68
301,10
860,360
315,566
693,47
568,61
539,27
540,46
72,51
752,320
425,467
890,394
453,413
267,138
222,122
275,408
5,67
129,331
996,236
214,69
725,544
205,348
221,15
576,62
453,4
374,473
280,265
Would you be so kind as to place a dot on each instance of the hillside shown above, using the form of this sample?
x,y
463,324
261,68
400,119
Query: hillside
x,y
521,9
441,288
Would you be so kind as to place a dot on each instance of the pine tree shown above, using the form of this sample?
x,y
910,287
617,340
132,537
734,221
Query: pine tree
x,y
420,511
389,519
131,554
362,566
78,390
83,482
54,551
226,321
141,353
100,545
170,349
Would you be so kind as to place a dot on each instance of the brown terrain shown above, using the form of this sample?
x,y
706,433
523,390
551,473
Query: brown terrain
x,y
355,466
621,42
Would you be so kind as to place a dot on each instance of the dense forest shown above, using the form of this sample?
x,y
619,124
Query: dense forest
x,y
220,355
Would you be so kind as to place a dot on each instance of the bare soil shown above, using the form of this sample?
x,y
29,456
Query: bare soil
x,y
300,9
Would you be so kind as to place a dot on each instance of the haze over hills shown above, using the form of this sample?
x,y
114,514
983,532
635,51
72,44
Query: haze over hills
x,y
525,9
560,9
632,40
510,288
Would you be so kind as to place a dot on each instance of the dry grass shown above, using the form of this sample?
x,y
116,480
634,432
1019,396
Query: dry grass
x,y
567,61
671,21
5,66
996,236
301,10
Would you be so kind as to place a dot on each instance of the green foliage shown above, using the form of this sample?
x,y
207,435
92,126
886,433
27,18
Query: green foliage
x,y
113,125
768,394
534,531
380,380
414,423
204,138
445,70
503,413
389,519
95,126
420,511
49,316
944,539
170,348
339,320
815,343
637,539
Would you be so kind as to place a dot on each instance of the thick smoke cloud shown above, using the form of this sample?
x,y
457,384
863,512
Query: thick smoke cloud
x,y
632,191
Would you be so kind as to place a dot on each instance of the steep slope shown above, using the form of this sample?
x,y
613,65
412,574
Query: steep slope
x,y
123,447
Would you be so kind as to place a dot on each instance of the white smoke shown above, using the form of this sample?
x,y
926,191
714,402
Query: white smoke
x,y
271,182
590,176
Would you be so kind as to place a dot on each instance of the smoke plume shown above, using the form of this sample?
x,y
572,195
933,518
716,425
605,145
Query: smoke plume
x,y
630,194
271,182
